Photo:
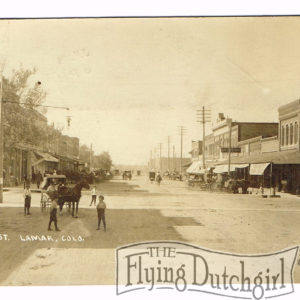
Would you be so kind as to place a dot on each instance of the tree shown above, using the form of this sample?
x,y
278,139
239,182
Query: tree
x,y
85,153
23,123
103,161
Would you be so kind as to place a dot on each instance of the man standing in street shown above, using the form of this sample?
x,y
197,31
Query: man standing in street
x,y
101,207
27,200
158,178
94,195
53,215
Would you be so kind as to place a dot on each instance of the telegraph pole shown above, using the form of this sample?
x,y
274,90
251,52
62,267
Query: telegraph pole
x,y
155,159
182,131
229,150
174,163
203,117
160,162
91,157
168,153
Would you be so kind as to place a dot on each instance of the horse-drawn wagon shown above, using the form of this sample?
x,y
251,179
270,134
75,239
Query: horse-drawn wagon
x,y
46,195
60,191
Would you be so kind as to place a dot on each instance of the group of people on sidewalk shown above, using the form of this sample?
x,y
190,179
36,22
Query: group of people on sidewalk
x,y
101,207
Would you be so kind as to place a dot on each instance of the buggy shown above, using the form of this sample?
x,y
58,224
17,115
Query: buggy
x,y
46,197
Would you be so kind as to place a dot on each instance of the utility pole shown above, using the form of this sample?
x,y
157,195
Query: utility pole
x,y
168,153
203,116
174,163
229,150
91,157
1,139
160,162
155,159
182,131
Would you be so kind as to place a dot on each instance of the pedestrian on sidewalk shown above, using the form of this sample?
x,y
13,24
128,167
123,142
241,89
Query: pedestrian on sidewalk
x,y
94,195
39,179
27,200
26,182
53,215
101,207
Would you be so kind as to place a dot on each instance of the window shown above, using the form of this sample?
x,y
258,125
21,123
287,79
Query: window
x,y
291,134
286,134
282,135
296,133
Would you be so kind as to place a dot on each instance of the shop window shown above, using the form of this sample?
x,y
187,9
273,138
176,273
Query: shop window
x,y
291,134
282,135
287,134
296,133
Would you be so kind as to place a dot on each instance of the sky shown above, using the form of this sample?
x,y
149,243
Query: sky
x,y
131,82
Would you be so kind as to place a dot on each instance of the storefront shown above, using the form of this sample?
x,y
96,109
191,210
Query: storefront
x,y
276,169
43,162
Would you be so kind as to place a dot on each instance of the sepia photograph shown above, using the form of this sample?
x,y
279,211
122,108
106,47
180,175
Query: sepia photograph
x,y
135,144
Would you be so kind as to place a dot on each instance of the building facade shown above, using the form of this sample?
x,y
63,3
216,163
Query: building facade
x,y
289,119
53,151
243,136
196,151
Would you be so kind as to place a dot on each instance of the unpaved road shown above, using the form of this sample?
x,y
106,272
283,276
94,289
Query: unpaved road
x,y
138,211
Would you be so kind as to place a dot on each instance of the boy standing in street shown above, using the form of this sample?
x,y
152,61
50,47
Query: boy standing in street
x,y
53,217
27,200
101,206
94,195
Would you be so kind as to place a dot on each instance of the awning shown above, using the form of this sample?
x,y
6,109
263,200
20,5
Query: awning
x,y
224,168
258,169
240,166
44,157
289,157
195,168
221,169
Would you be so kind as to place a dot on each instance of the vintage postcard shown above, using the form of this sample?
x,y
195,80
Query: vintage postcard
x,y
157,156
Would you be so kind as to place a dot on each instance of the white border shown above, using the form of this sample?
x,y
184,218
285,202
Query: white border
x,y
123,8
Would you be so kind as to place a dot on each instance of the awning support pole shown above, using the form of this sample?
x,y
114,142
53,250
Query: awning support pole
x,y
272,190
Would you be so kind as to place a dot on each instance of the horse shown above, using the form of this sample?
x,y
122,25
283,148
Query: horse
x,y
71,195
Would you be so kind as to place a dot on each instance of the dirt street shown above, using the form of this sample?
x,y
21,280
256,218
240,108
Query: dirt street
x,y
138,211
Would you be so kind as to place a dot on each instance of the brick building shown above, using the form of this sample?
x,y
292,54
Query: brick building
x,y
227,133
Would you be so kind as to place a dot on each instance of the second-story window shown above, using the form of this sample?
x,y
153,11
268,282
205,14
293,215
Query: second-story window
x,y
286,134
291,134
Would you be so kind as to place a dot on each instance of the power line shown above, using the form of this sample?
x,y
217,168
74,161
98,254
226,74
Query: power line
x,y
24,103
